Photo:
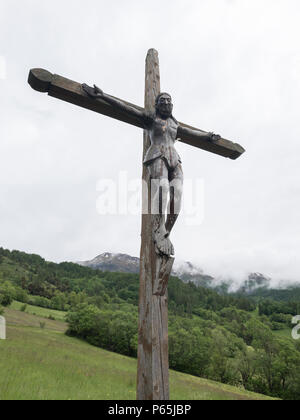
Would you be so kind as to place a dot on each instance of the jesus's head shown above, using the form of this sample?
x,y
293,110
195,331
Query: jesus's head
x,y
163,105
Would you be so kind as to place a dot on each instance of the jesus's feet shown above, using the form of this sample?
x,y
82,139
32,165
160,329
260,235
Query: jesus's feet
x,y
161,239
163,244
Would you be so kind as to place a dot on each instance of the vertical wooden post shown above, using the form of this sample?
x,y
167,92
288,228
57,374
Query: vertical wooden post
x,y
153,359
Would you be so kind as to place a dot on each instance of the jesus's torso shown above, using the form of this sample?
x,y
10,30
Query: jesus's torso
x,y
163,134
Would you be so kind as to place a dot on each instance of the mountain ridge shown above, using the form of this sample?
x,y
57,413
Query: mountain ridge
x,y
187,272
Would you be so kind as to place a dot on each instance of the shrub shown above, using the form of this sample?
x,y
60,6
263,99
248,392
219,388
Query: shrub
x,y
6,294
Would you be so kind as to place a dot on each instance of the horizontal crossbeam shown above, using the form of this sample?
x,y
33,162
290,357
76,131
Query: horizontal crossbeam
x,y
69,91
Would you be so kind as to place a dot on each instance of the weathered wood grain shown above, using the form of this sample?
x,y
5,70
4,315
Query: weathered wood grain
x,y
69,91
66,90
153,362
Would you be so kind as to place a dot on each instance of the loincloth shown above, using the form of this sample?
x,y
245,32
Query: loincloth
x,y
167,153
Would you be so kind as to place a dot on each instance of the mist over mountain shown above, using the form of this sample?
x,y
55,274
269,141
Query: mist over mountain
x,y
188,272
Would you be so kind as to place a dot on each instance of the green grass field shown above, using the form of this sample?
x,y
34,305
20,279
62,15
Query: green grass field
x,y
41,312
44,364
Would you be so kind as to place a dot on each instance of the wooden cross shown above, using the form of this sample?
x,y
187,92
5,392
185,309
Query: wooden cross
x,y
153,363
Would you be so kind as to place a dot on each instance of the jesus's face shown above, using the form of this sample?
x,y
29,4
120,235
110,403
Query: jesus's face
x,y
165,106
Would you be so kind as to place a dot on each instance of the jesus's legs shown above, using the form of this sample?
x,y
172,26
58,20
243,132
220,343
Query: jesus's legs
x,y
176,188
160,188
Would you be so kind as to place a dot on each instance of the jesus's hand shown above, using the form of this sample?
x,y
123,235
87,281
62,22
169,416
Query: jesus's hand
x,y
94,92
98,91
214,137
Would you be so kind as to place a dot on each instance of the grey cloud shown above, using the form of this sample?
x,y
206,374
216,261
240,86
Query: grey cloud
x,y
232,67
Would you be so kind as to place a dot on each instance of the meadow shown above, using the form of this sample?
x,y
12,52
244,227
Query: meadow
x,y
40,312
39,362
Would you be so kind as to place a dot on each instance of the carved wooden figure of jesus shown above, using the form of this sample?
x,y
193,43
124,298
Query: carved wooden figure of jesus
x,y
162,160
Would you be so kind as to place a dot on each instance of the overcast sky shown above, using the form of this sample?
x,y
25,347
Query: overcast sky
x,y
232,67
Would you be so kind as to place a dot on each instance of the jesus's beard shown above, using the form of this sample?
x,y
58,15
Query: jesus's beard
x,y
165,110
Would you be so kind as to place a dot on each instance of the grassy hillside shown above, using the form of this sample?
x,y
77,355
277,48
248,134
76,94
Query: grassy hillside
x,y
44,364
41,312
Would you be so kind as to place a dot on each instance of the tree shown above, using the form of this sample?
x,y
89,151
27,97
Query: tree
x,y
190,350
7,293
287,365
225,347
246,365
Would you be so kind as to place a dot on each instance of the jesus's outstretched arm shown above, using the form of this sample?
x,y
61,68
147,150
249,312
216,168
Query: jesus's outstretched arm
x,y
183,130
97,93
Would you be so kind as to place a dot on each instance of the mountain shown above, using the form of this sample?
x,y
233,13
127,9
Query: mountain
x,y
186,271
124,263
255,281
114,262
